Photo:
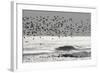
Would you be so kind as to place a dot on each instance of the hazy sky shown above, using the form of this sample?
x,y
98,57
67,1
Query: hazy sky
x,y
75,15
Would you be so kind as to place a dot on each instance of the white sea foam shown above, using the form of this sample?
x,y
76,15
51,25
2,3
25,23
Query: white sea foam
x,y
48,44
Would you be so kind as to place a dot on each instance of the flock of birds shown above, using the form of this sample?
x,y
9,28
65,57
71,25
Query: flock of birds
x,y
54,26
